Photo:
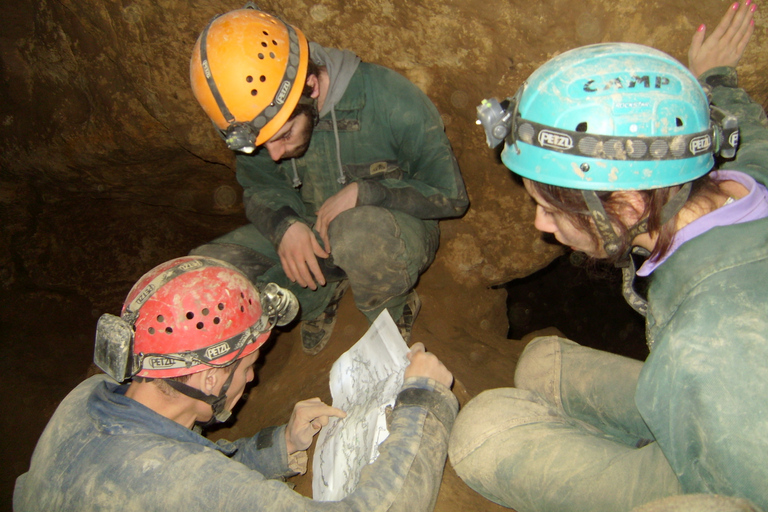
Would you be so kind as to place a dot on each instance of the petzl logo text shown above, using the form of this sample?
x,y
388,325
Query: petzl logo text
x,y
700,144
283,92
555,140
217,351
145,294
161,362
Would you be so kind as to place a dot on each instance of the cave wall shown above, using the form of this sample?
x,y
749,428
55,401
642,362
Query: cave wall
x,y
110,167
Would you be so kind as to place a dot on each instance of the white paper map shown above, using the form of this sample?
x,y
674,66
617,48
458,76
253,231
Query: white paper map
x,y
364,381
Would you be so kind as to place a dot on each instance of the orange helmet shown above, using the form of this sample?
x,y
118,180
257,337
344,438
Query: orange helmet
x,y
248,71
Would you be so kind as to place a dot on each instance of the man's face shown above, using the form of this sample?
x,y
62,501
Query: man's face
x,y
551,220
243,374
292,140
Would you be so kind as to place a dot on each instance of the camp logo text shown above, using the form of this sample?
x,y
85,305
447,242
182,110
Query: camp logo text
x,y
644,81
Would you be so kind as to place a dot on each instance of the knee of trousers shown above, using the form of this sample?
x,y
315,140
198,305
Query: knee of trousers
x,y
540,365
488,417
371,246
248,261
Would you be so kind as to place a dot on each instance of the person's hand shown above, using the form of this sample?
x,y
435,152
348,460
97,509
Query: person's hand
x,y
343,200
307,418
425,364
298,253
726,44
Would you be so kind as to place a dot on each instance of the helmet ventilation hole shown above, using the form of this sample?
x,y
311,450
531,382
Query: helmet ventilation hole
x,y
220,306
160,318
169,330
206,311
190,315
264,44
582,127
678,121
216,320
261,56
151,330
200,325
274,42
242,309
249,79
272,55
265,32
262,78
254,92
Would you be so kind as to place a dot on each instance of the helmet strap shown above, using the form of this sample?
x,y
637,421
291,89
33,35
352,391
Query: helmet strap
x,y
612,243
217,403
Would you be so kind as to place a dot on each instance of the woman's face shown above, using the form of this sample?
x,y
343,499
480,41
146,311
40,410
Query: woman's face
x,y
551,220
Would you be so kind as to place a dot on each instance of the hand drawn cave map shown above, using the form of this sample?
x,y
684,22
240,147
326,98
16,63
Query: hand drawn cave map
x,y
364,381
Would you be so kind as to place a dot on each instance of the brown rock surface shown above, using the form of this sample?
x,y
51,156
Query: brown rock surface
x,y
108,167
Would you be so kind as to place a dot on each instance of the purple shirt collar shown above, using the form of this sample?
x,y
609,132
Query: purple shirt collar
x,y
753,206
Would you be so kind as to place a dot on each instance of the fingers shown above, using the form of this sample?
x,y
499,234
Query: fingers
x,y
425,364
323,231
696,42
308,417
297,251
746,28
313,266
725,22
740,21
726,44
415,349
321,225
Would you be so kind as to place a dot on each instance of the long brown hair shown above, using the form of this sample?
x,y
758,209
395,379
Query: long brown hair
x,y
571,203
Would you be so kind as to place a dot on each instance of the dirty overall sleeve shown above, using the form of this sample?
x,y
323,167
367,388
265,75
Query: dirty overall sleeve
x,y
405,477
267,453
702,389
407,474
752,154
431,186
271,202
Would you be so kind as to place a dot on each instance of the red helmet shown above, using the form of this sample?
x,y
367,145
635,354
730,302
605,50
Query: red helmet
x,y
190,314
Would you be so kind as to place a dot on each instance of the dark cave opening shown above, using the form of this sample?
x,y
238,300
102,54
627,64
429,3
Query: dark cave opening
x,y
583,301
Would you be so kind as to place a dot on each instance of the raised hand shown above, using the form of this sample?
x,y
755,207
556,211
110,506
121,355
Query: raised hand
x,y
726,44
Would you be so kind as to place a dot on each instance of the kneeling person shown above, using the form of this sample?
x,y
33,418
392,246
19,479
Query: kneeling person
x,y
188,338
345,167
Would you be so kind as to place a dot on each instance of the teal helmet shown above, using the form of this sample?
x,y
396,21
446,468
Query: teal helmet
x,y
615,116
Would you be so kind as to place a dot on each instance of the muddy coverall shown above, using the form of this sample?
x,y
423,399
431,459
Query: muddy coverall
x,y
384,134
588,430
104,451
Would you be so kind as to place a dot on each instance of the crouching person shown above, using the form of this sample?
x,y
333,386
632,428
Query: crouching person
x,y
614,143
186,343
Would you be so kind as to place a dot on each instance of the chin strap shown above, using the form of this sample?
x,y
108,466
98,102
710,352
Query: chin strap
x,y
612,243
217,403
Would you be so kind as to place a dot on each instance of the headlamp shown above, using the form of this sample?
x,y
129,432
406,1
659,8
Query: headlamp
x,y
239,137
